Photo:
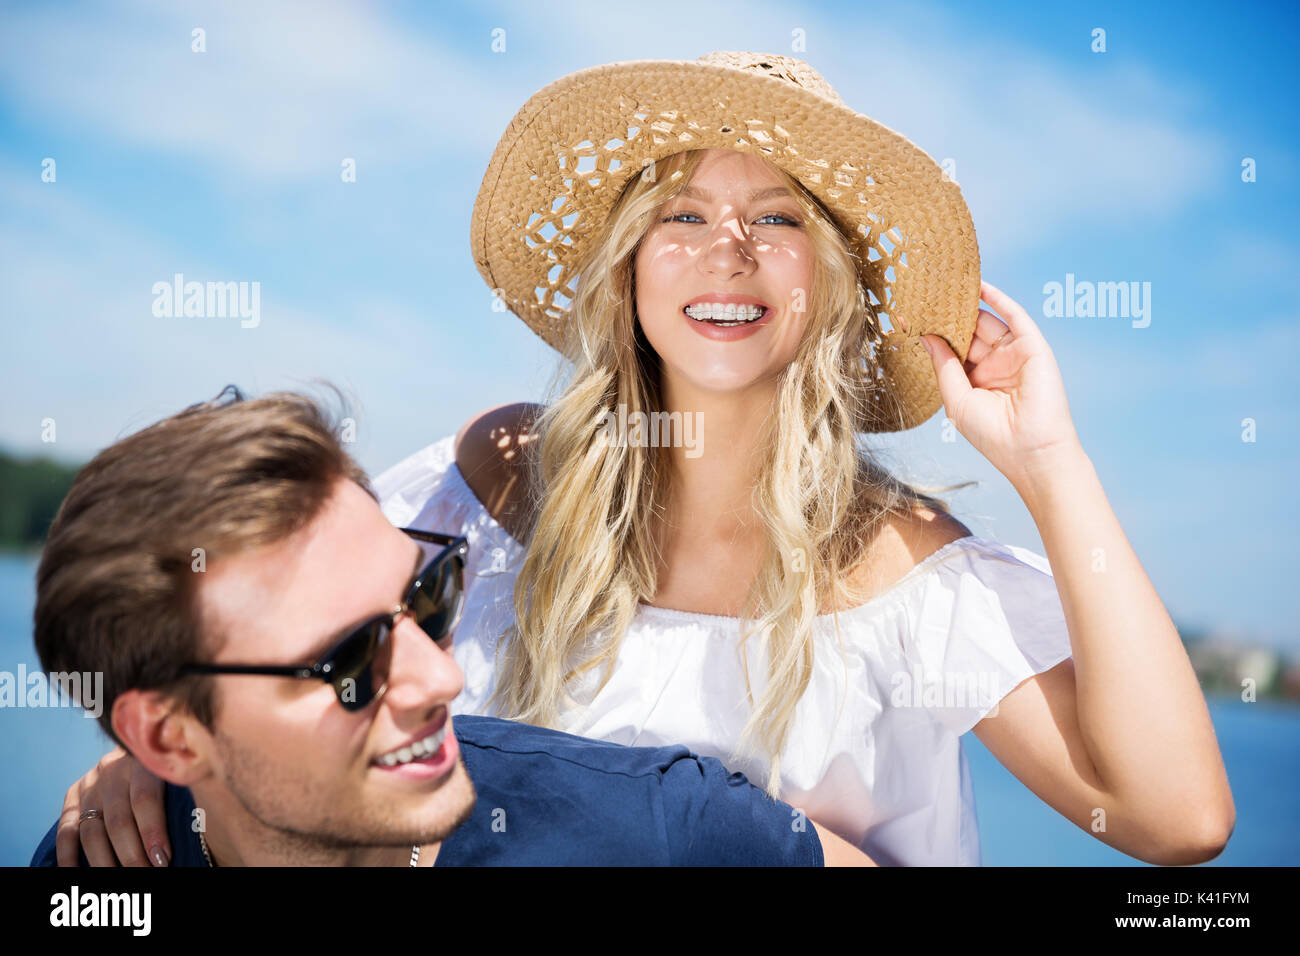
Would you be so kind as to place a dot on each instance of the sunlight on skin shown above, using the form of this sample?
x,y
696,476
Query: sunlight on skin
x,y
726,245
721,241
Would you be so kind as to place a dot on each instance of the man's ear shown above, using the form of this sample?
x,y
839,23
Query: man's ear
x,y
167,740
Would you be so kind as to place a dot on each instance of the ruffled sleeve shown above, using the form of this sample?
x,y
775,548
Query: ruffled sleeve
x,y
989,617
418,487
427,491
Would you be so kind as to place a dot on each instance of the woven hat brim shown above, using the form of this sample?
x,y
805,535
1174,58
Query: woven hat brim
x,y
904,218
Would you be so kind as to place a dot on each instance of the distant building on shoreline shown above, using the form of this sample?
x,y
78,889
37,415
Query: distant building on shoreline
x,y
1228,663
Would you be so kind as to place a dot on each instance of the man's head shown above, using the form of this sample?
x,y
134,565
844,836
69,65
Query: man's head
x,y
240,532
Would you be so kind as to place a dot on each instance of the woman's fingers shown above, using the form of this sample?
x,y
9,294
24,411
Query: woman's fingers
x,y
91,834
119,816
94,843
150,815
133,817
1014,316
989,329
67,839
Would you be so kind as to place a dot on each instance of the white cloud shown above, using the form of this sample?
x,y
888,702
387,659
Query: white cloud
x,y
284,89
84,348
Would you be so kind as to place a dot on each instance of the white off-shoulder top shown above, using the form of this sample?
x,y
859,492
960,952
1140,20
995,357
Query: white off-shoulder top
x,y
874,751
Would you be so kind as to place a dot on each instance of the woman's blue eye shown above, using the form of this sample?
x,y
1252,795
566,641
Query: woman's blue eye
x,y
677,217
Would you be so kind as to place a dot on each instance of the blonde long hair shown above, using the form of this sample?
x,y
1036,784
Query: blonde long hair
x,y
597,505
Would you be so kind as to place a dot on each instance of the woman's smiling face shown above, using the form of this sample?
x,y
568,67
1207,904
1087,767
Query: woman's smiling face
x,y
734,233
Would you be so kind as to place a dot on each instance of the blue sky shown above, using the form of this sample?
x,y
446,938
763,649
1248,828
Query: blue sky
x,y
1115,166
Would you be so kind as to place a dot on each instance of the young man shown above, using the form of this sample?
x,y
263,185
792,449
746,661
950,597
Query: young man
x,y
279,653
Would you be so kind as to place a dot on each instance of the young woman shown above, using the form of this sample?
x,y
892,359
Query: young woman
x,y
752,583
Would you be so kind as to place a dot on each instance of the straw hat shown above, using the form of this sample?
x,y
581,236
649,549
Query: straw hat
x,y
567,154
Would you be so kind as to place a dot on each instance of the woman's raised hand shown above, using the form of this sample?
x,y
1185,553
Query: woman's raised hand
x,y
1008,398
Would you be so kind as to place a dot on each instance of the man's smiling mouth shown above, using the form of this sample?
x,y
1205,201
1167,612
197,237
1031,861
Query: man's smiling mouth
x,y
419,749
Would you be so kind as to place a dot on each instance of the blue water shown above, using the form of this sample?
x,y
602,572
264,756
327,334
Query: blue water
x,y
42,751
1260,743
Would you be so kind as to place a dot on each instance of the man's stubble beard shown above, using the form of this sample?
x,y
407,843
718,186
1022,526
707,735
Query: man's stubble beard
x,y
304,816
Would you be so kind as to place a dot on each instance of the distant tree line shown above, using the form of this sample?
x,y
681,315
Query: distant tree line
x,y
30,494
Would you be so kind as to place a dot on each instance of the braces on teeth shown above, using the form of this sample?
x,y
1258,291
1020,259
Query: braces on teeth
x,y
725,315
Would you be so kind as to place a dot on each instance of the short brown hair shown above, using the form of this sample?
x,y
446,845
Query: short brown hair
x,y
116,584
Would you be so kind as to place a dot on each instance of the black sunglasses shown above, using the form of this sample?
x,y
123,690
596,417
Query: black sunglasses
x,y
436,599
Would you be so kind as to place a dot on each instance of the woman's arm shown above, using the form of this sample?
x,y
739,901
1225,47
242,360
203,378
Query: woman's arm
x,y
490,457
1123,728
1118,739
839,852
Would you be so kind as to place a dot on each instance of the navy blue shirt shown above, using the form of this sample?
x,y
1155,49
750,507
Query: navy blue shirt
x,y
547,798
